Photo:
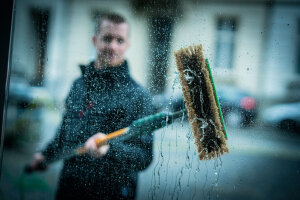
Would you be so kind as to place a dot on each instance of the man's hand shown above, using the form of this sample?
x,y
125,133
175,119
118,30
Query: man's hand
x,y
91,146
36,163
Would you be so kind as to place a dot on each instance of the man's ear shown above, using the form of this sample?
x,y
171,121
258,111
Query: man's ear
x,y
94,40
128,44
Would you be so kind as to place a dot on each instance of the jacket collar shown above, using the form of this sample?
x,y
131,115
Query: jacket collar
x,y
119,72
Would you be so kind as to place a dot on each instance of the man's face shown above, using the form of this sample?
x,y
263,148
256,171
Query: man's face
x,y
111,43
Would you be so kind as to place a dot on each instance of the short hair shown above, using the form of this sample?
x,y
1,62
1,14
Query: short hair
x,y
112,17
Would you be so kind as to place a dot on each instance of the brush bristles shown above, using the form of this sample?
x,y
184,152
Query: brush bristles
x,y
200,102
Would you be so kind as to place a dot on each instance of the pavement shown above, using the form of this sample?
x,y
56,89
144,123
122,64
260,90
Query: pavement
x,y
263,163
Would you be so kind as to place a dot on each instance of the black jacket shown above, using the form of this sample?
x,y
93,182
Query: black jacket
x,y
102,101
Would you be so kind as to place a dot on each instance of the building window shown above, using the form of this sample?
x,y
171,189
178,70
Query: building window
x,y
226,28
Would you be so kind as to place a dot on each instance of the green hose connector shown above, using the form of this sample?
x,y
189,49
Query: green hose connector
x,y
149,119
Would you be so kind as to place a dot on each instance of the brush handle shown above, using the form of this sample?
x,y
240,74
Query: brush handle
x,y
101,141
154,122
138,127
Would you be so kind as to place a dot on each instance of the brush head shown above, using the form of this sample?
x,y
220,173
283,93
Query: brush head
x,y
201,102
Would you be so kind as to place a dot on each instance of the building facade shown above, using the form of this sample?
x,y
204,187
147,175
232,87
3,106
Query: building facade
x,y
253,45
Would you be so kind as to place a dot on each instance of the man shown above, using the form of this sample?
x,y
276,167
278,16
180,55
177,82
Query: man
x,y
104,99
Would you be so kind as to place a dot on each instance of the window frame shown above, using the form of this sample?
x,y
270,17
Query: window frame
x,y
6,22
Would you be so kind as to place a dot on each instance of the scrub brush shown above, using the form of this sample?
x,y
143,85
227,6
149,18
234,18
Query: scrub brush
x,y
201,101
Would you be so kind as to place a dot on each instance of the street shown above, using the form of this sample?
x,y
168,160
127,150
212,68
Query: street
x,y
263,163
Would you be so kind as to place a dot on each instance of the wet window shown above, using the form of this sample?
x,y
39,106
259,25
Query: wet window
x,y
134,99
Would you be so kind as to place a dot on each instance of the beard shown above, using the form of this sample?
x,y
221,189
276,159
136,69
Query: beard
x,y
110,59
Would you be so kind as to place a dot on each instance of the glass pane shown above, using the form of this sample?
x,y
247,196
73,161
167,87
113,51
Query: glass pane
x,y
78,74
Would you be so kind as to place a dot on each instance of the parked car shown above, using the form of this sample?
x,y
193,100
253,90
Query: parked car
x,y
24,110
239,108
23,96
285,116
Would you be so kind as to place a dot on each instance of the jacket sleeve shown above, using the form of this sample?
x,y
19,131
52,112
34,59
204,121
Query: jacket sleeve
x,y
135,154
58,144
55,147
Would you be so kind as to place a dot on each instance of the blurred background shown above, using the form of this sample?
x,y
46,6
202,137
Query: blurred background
x,y
254,52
